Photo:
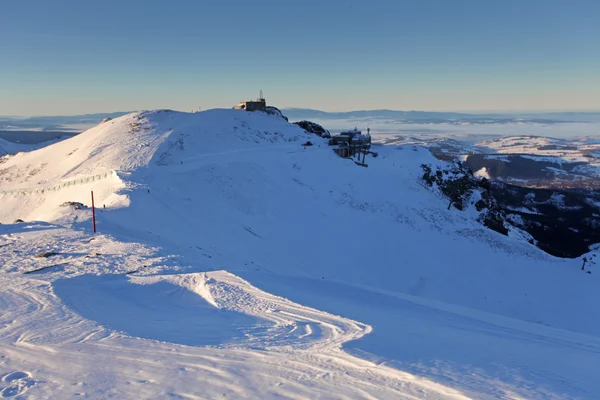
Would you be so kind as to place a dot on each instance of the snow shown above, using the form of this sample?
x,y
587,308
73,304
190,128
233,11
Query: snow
x,y
594,203
483,173
10,148
233,262
516,219
7,147
525,210
543,149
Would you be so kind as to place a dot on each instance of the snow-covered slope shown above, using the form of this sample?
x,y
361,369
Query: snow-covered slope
x,y
305,253
10,148
122,146
7,147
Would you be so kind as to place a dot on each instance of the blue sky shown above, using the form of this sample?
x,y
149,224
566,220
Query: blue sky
x,y
70,57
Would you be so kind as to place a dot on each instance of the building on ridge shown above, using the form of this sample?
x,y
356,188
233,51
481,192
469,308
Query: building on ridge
x,y
259,104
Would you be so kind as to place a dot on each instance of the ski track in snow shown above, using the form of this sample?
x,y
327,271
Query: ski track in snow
x,y
233,293
158,309
292,351
295,353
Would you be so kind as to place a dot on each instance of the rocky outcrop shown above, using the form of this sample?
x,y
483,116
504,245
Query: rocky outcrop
x,y
76,205
312,127
462,188
562,223
47,254
275,111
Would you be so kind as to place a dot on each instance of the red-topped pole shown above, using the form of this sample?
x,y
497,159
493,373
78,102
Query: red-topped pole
x,y
93,213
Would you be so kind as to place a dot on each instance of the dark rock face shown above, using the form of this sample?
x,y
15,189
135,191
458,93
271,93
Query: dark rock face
x,y
458,184
275,111
312,127
47,254
562,223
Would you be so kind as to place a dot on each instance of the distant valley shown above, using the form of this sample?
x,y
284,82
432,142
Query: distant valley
x,y
548,187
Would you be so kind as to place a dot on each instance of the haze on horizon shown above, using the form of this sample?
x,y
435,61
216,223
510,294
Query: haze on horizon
x,y
72,57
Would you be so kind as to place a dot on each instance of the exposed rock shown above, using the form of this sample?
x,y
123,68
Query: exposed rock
x,y
459,185
76,205
562,223
47,254
18,221
312,127
275,111
455,183
106,120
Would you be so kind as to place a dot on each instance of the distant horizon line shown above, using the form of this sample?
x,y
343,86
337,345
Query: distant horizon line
x,y
527,111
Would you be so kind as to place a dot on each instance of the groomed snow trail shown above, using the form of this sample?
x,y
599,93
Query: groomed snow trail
x,y
234,263
50,349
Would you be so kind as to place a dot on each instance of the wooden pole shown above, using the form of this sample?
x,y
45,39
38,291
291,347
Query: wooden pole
x,y
93,213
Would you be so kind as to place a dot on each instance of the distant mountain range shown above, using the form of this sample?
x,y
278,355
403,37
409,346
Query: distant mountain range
x,y
433,116
84,121
54,122
62,119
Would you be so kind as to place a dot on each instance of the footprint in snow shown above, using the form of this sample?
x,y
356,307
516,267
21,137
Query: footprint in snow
x,y
17,383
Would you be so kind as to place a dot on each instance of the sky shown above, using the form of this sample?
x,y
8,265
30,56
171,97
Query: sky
x,y
67,57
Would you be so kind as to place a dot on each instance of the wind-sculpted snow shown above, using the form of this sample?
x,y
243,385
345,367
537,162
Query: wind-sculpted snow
x,y
232,262
83,329
161,311
65,332
199,309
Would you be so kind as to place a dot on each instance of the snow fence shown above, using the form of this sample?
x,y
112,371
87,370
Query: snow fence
x,y
59,186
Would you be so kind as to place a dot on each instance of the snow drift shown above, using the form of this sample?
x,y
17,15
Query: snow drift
x,y
230,190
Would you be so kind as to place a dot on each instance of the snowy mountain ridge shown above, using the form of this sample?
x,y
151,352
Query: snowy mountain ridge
x,y
297,272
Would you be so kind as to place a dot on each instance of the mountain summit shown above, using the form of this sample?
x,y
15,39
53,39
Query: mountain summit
x,y
221,229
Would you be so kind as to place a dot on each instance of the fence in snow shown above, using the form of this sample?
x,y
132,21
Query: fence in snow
x,y
59,186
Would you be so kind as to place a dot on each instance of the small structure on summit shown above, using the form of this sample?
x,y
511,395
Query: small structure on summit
x,y
259,105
